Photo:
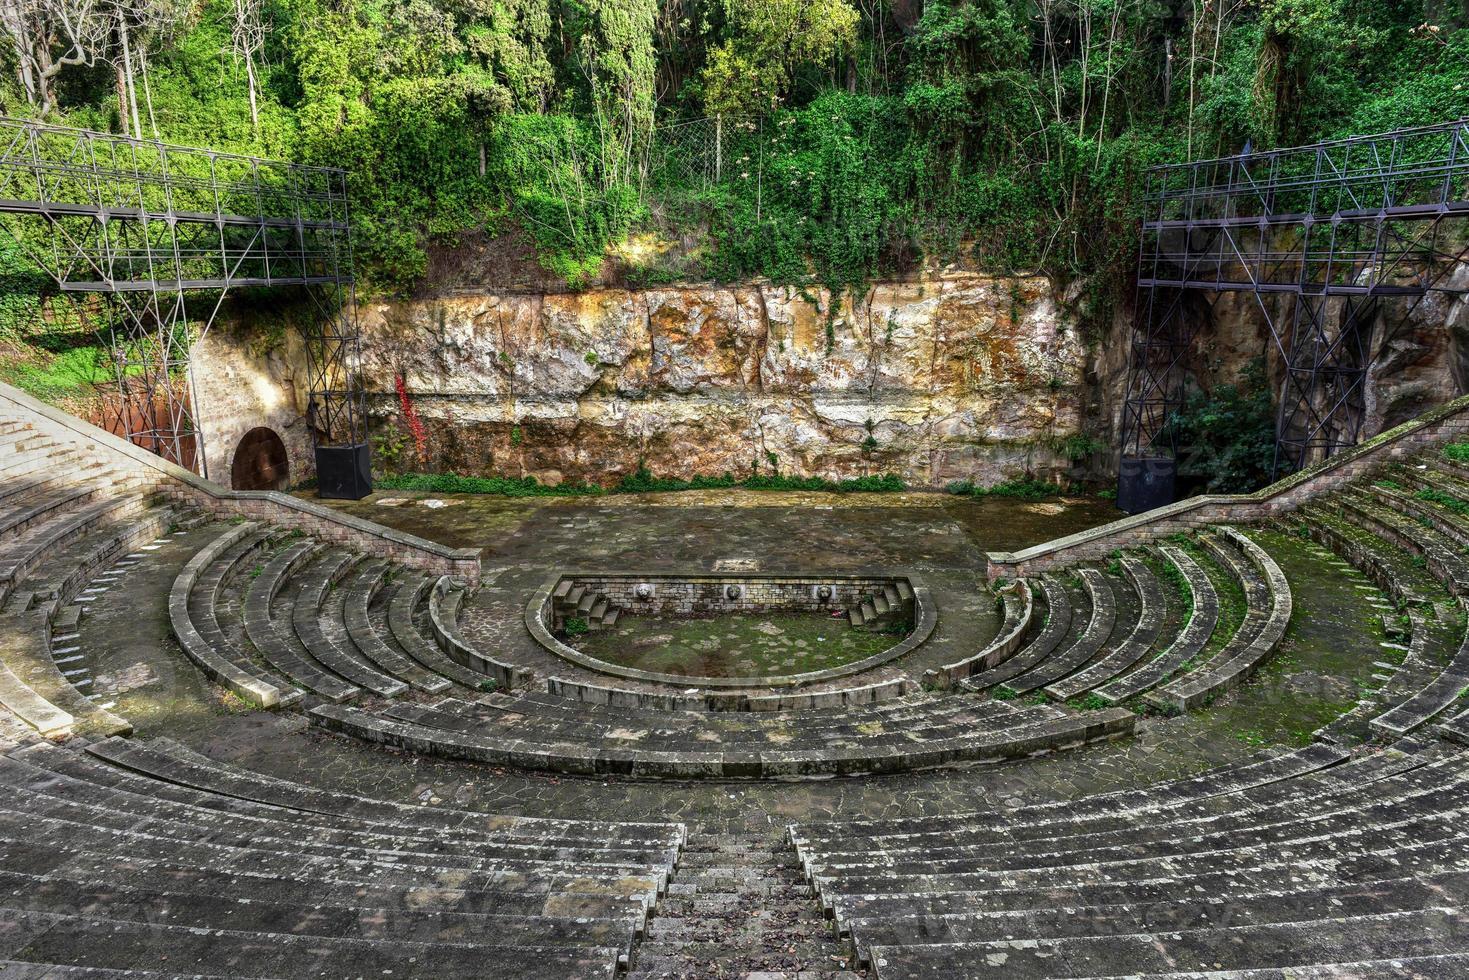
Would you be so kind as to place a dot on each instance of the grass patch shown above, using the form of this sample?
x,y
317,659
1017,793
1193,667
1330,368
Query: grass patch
x,y
1457,451
1446,500
1022,489
641,481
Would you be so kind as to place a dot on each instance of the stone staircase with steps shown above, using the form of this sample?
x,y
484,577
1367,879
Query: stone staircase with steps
x,y
893,604
572,601
737,906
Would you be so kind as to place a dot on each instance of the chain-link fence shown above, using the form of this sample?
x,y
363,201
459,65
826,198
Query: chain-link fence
x,y
693,156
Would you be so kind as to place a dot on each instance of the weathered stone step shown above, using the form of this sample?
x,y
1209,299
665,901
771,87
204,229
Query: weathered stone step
x,y
116,944
274,638
192,613
324,635
1194,635
167,761
1137,643
1081,650
406,597
1426,932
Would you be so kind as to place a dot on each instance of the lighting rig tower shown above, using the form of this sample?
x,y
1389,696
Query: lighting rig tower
x,y
163,233
1335,241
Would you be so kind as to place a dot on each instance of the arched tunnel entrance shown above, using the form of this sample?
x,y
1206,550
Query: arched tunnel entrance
x,y
260,462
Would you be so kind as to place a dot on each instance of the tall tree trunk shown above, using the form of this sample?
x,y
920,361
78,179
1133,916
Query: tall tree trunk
x,y
254,108
127,62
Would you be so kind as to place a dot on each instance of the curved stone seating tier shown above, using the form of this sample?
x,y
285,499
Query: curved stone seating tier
x,y
952,730
1269,608
1018,602
326,641
1429,681
271,631
443,619
48,563
1136,644
407,597
1435,670
195,623
372,641
130,856
1442,557
1103,603
1198,628
1102,889
845,693
1059,606
20,554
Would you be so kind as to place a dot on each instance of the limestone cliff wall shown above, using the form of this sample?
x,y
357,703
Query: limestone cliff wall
x,y
955,376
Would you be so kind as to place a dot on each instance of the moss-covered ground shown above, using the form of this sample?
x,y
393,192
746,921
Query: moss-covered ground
x,y
754,645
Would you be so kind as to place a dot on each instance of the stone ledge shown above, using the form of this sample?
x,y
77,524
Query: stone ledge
x,y
1285,495
925,620
264,505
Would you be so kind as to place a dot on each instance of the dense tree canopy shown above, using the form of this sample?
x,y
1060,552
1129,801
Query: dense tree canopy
x,y
805,140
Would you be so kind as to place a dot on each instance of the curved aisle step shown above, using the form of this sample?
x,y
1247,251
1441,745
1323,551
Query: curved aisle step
x,y
407,596
325,640
275,639
1046,732
1202,621
1250,647
1019,605
1059,606
1446,686
1084,647
444,600
202,640
1151,613
356,598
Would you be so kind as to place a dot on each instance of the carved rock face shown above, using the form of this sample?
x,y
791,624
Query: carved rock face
x,y
956,376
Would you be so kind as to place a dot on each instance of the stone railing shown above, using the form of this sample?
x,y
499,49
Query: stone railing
x,y
268,506
1443,424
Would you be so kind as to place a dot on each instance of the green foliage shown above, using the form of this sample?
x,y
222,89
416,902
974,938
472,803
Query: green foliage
x,y
1457,451
639,481
642,481
765,41
1023,488
857,140
1445,500
575,626
1229,434
499,486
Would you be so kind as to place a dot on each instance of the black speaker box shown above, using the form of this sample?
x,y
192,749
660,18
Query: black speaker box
x,y
1145,482
344,472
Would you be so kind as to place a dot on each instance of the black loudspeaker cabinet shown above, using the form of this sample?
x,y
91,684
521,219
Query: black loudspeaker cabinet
x,y
1145,482
344,472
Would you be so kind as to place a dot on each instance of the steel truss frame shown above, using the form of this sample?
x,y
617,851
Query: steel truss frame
x,y
1332,239
163,233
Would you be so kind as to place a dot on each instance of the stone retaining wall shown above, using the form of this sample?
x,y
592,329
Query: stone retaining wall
x,y
1444,424
268,507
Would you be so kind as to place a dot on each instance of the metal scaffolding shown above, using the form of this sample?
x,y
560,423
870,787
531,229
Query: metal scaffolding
x,y
1335,241
163,233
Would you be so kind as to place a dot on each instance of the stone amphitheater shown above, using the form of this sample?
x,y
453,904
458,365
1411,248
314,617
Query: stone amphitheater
x,y
246,734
